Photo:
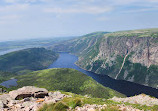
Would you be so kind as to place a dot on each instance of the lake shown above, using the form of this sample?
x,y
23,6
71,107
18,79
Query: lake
x,y
67,60
9,83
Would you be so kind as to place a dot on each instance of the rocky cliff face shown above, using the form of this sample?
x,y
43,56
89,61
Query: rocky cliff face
x,y
127,55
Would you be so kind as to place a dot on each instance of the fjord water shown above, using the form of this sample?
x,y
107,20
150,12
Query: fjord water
x,y
67,60
9,83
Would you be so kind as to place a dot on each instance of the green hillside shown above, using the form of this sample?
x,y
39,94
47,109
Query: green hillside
x,y
27,60
6,76
68,80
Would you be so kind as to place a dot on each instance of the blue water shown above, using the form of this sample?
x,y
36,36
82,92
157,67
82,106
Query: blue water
x,y
9,83
67,60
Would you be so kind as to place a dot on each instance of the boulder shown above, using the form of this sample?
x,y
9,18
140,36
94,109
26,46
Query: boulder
x,y
1,104
28,91
5,98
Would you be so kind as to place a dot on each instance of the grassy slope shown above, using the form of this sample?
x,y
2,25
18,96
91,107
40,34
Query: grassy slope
x,y
4,88
78,100
27,59
6,75
69,80
138,33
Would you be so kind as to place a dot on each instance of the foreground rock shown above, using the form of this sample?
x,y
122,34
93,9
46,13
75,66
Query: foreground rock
x,y
32,98
140,99
95,107
89,107
28,98
28,91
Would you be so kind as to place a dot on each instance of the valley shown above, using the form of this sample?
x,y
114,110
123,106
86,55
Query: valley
x,y
103,53
96,65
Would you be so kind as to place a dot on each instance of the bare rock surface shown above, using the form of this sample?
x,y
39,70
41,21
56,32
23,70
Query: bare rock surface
x,y
28,91
127,108
28,98
89,107
11,102
1,104
140,99
95,107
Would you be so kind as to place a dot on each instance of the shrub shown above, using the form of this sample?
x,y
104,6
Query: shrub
x,y
74,103
60,106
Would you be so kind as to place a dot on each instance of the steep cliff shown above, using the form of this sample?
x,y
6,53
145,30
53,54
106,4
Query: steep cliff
x,y
80,45
127,55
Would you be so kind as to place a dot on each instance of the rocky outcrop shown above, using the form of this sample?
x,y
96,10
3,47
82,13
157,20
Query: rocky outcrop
x,y
28,91
1,104
139,99
89,107
95,107
9,102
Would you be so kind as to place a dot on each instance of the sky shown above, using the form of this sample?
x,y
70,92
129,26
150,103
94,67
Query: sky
x,y
27,19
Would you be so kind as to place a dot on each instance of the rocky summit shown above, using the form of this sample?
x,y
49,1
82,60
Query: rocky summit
x,y
140,99
30,98
28,91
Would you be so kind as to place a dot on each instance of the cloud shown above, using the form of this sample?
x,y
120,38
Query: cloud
x,y
20,1
10,1
152,0
141,10
13,8
26,1
87,9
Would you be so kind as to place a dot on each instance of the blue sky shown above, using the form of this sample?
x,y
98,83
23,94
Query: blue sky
x,y
25,19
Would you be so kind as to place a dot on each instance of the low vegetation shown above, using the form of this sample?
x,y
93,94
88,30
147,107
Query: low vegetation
x,y
80,101
68,80
6,75
3,89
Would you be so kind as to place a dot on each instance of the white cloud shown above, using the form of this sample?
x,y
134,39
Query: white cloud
x,y
141,10
25,1
87,9
10,1
13,8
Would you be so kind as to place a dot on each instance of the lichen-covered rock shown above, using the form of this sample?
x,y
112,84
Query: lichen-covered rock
x,y
28,91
